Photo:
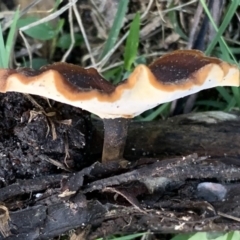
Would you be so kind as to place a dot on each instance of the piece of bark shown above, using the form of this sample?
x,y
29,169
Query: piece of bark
x,y
155,175
45,222
29,186
164,181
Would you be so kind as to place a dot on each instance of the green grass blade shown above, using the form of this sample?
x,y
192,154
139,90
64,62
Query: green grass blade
x,y
234,236
218,37
10,38
210,103
225,94
43,31
157,112
127,237
175,23
226,53
182,236
230,236
117,24
2,49
132,42
234,50
56,4
231,105
226,20
236,94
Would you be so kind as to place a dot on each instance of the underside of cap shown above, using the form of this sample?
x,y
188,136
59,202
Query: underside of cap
x,y
170,77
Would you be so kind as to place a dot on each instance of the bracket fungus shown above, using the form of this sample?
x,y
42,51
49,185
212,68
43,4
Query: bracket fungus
x,y
170,77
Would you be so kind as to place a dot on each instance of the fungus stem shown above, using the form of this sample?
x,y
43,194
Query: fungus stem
x,y
115,134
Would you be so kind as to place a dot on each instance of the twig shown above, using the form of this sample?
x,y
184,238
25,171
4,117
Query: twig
x,y
66,147
54,162
28,47
33,101
4,221
147,9
79,20
98,20
49,17
228,216
70,19
25,10
195,23
179,6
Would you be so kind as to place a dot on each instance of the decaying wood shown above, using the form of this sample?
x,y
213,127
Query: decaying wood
x,y
158,191
213,134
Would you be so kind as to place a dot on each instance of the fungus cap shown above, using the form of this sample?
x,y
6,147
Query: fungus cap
x,y
170,77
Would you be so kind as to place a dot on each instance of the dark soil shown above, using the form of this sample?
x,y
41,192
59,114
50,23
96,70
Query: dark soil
x,y
26,137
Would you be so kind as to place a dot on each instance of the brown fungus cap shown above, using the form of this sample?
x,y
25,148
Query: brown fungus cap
x,y
170,77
